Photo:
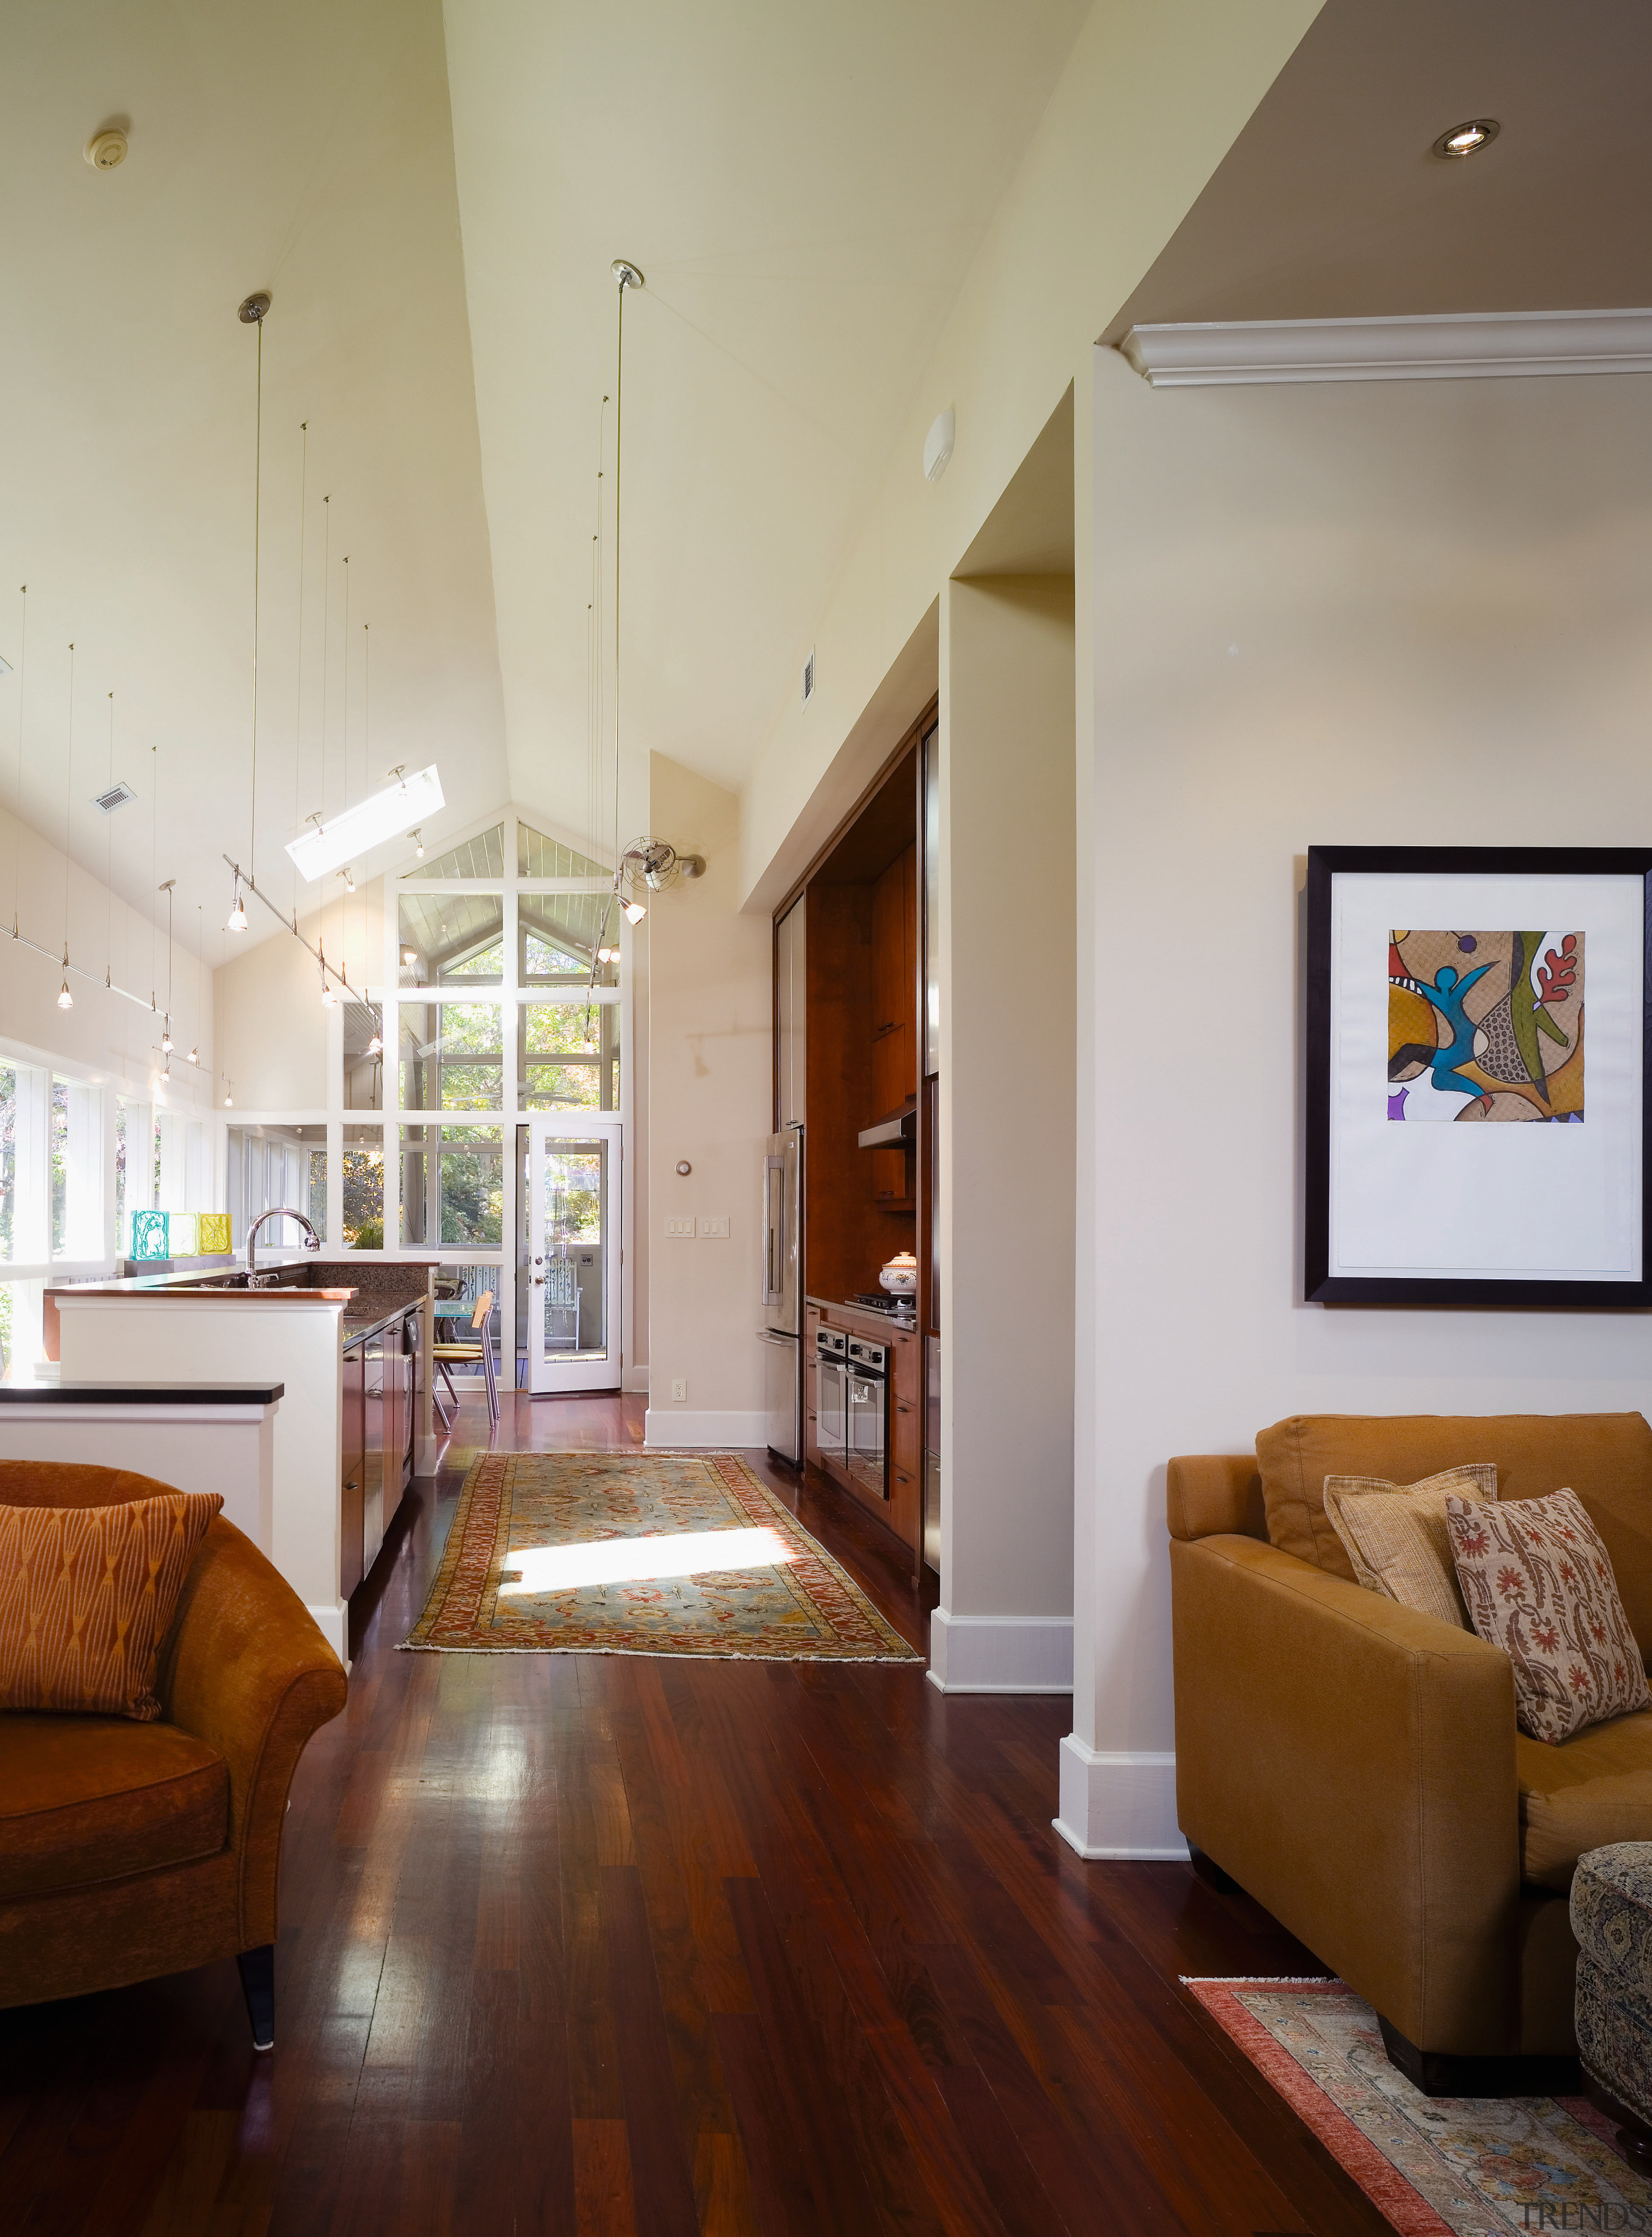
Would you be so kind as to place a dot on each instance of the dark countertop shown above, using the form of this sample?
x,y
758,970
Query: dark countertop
x,y
358,1326
143,1394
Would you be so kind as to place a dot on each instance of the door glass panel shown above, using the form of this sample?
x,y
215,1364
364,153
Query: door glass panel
x,y
574,1199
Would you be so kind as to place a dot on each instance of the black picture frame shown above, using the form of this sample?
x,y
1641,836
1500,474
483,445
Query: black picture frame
x,y
1319,1285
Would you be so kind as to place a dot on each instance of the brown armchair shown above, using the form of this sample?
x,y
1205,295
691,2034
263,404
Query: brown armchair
x,y
126,1850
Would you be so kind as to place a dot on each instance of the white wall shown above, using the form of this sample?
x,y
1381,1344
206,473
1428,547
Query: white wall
x,y
1152,97
710,1100
1006,1127
1354,614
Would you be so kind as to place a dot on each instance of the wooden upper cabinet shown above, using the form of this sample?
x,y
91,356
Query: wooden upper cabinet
x,y
895,983
888,947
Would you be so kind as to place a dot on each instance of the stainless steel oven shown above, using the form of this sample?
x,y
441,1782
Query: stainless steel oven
x,y
832,1394
867,1377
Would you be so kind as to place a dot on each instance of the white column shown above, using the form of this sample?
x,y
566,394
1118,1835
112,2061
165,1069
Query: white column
x,y
1005,1624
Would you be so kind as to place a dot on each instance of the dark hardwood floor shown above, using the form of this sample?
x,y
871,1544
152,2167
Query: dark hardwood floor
x,y
602,1944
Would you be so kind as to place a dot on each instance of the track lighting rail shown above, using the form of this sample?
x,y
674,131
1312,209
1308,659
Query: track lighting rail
x,y
291,924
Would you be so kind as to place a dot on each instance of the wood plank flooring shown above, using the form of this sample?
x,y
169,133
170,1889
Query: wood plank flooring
x,y
607,1945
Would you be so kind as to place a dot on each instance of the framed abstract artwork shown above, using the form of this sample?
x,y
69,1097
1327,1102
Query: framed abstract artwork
x,y
1479,1072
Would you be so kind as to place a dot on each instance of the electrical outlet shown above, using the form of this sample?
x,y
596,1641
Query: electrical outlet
x,y
715,1227
680,1386
680,1226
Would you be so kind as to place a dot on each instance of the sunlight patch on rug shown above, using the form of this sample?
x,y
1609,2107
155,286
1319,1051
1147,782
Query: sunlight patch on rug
x,y
622,1560
641,1553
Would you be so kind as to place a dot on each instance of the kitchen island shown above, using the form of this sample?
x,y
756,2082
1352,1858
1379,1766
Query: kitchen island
x,y
352,1345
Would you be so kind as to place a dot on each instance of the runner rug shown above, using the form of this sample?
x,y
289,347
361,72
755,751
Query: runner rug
x,y
1436,2167
640,1554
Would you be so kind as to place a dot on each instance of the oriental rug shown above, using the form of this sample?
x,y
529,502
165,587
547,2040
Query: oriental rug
x,y
1435,2166
640,1554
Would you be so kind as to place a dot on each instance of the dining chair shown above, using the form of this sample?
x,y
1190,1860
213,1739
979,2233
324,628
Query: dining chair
x,y
446,1355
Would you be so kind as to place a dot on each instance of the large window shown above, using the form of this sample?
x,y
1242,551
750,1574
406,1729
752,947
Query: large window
x,y
364,1188
273,1165
453,1056
452,1186
570,1059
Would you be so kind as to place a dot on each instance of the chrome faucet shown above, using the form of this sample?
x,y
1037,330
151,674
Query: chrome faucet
x,y
275,1211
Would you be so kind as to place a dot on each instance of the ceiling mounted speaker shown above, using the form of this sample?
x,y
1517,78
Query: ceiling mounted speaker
x,y
937,445
105,149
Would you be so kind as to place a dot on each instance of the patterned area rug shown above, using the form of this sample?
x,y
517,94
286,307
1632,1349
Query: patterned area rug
x,y
1436,2167
640,1554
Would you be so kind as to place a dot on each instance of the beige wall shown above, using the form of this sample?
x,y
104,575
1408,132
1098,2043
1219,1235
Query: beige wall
x,y
1006,1125
103,1034
272,1028
1351,614
710,1100
1104,185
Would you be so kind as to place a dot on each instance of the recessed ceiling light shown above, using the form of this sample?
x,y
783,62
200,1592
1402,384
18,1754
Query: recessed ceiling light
x,y
1467,139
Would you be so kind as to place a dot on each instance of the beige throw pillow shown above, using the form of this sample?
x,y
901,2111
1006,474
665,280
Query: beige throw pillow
x,y
1396,1536
1539,1584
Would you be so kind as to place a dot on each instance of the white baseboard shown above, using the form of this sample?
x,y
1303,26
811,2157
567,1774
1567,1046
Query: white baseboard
x,y
332,1622
665,1426
1001,1653
1118,1805
634,1378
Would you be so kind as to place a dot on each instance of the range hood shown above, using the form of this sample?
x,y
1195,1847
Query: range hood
x,y
900,1126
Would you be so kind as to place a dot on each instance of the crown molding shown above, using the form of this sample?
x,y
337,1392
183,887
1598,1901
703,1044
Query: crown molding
x,y
1460,346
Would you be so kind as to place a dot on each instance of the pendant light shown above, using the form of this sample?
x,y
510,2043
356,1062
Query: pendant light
x,y
200,951
229,1093
165,1029
253,313
628,276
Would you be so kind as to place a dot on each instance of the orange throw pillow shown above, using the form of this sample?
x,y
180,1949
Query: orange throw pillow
x,y
86,1595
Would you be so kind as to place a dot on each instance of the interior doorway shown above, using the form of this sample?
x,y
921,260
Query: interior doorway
x,y
570,1258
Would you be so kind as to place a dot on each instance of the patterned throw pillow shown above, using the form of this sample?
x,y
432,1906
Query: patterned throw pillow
x,y
1396,1537
1539,1584
86,1595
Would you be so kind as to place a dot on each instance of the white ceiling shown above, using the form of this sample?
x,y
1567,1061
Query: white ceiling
x,y
304,146
804,189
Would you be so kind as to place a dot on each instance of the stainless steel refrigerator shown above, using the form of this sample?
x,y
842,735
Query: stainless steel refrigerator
x,y
782,1330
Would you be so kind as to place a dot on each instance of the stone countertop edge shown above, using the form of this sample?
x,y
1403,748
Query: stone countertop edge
x,y
142,1393
358,1328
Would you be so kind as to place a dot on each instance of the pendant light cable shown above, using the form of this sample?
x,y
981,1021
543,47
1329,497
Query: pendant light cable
x,y
108,862
69,795
298,695
258,514
23,701
155,852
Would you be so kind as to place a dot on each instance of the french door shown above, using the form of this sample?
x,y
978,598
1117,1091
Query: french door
x,y
573,1285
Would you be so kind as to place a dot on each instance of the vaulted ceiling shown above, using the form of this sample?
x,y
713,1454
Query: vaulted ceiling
x,y
434,208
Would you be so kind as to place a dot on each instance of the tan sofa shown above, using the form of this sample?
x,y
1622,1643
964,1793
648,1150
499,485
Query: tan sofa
x,y
1356,1766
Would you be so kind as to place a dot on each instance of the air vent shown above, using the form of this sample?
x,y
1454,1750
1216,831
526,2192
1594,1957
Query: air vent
x,y
116,796
808,679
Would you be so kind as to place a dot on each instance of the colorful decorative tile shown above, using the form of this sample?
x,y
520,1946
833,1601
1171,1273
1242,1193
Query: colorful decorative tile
x,y
212,1233
150,1234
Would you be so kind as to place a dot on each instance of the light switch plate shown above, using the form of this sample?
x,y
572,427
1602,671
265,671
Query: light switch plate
x,y
680,1386
719,1227
680,1226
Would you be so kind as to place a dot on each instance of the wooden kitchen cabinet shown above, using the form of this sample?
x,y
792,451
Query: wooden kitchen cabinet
x,y
352,1568
899,1500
